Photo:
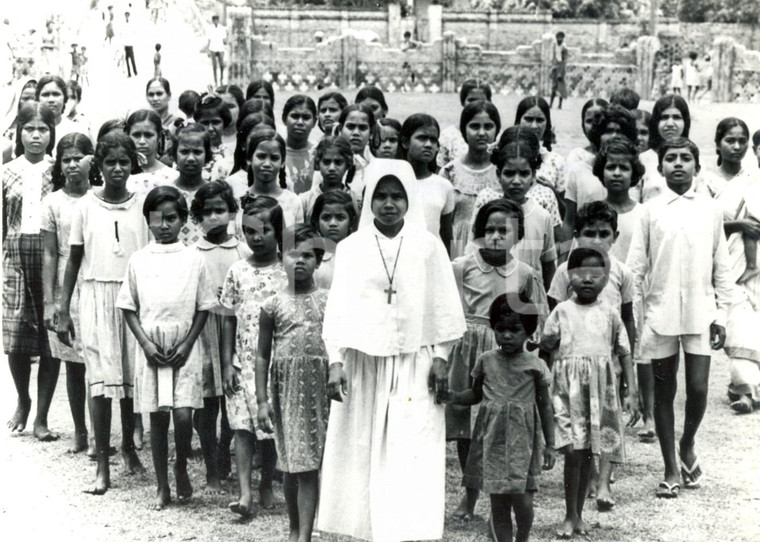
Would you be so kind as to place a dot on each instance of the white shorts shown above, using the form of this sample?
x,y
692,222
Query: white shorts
x,y
656,346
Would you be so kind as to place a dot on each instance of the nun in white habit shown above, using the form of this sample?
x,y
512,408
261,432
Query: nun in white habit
x,y
392,315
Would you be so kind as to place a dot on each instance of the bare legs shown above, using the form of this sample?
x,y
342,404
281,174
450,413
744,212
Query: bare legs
x,y
224,463
47,378
244,443
159,441
301,494
576,475
76,388
646,389
205,423
466,508
501,516
21,370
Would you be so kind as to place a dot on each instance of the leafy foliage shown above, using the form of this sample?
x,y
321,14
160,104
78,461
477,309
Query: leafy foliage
x,y
719,11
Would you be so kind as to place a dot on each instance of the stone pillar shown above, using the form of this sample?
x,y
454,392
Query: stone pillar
x,y
492,31
646,54
344,26
449,60
723,68
545,64
240,34
394,26
294,24
435,22
348,64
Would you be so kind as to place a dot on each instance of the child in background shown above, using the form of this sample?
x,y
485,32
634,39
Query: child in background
x,y
479,124
266,173
212,113
419,142
260,91
248,284
192,153
72,175
165,299
357,124
335,161
512,387
107,227
691,76
187,102
335,217
680,249
373,98
329,108
157,62
213,208
481,276
597,228
299,116
144,127
452,142
676,76
627,98
558,69
84,72
290,338
643,119
238,179
588,422
385,144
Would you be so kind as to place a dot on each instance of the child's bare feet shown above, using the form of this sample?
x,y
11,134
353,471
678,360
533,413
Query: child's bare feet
x,y
184,487
132,463
17,423
224,462
293,536
566,531
102,482
79,443
43,434
163,498
266,498
748,274
242,506
461,511
256,459
580,528
213,487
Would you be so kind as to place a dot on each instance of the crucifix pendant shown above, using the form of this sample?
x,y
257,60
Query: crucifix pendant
x,y
390,291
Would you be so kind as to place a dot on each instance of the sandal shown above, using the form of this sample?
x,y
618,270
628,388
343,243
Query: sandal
x,y
742,406
692,477
668,491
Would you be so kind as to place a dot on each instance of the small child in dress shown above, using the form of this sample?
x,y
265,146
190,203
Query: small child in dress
x,y
213,208
299,116
290,338
676,76
516,408
157,61
481,276
419,142
335,162
335,218
165,299
329,108
212,113
248,284
385,144
587,333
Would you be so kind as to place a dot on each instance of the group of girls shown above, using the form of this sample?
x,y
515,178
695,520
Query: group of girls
x,y
184,266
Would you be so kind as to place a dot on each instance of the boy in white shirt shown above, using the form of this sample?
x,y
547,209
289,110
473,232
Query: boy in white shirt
x,y
679,246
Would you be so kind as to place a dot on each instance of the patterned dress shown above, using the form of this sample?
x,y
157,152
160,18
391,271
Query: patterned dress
x,y
586,407
299,168
24,186
245,289
298,379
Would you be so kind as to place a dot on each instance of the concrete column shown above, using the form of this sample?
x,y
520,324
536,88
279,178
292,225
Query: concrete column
x,y
240,34
723,68
545,65
435,22
394,26
449,59
646,54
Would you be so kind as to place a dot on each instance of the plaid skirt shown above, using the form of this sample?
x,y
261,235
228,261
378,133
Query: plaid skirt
x,y
24,332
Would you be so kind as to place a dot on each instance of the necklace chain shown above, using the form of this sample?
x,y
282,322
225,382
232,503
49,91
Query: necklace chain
x,y
391,276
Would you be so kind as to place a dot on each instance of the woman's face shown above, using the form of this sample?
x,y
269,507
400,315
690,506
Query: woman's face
x,y
535,121
376,107
733,146
329,113
232,105
356,129
480,132
51,96
145,136
389,203
589,116
262,96
158,98
671,123
642,135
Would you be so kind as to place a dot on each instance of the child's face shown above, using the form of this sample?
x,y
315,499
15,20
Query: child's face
x,y
75,165
499,231
262,96
266,162
733,146
212,121
617,173
157,97
144,135
191,155
388,143
389,203
516,178
215,215
423,145
232,105
260,235
475,95
510,334
679,168
329,113
334,222
588,281
35,137
535,121
610,130
299,123
589,116
480,132
300,262
165,223
598,235
642,136
332,167
671,123
375,106
356,129
52,98
27,95
116,167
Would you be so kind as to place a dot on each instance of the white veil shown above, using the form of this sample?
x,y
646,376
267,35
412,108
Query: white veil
x,y
402,170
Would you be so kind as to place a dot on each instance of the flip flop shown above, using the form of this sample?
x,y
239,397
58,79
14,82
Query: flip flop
x,y
692,477
668,491
742,405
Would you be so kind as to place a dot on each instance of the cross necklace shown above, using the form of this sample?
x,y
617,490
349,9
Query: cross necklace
x,y
391,276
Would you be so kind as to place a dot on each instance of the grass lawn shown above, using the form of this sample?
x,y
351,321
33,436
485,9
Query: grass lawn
x,y
43,498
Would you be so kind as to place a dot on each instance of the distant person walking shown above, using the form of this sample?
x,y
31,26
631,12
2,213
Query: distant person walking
x,y
559,64
128,38
108,18
217,40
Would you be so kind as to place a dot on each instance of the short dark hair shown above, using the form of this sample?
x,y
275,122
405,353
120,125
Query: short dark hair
x,y
256,205
560,34
187,101
76,88
337,97
335,197
617,114
474,84
596,211
626,97
299,233
162,194
678,143
619,146
501,308
581,254
211,103
190,130
494,206
212,190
